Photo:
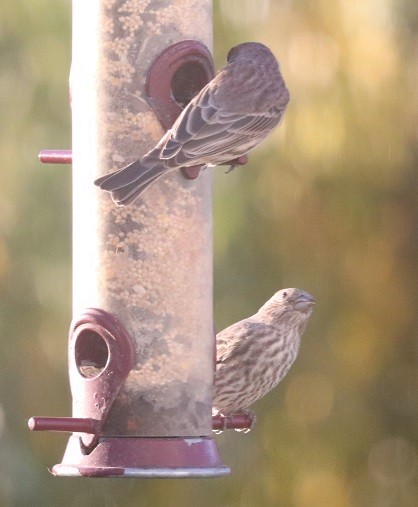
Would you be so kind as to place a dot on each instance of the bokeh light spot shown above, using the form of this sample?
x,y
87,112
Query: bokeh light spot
x,y
393,461
321,489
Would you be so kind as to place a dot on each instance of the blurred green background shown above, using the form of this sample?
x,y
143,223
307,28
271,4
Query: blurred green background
x,y
328,204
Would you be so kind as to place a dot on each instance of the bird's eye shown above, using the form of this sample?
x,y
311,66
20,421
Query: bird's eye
x,y
284,295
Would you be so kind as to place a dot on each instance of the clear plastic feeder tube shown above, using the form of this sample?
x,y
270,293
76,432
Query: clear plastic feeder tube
x,y
150,263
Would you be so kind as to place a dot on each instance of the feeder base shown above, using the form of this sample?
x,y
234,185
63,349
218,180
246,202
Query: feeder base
x,y
143,457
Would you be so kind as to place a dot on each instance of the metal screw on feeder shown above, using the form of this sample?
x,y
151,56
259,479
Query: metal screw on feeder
x,y
140,345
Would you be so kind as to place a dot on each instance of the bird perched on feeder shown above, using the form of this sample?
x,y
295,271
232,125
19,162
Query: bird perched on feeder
x,y
229,117
254,354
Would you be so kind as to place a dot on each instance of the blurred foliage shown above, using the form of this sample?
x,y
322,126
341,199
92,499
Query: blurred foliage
x,y
328,204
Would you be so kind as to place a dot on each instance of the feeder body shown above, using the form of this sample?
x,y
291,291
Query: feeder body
x,y
150,263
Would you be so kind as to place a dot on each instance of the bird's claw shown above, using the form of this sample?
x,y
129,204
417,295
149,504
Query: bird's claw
x,y
242,160
241,421
251,418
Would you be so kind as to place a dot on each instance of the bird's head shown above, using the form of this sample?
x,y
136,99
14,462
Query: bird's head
x,y
248,50
292,301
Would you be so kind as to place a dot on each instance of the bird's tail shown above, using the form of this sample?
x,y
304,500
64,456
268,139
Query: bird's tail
x,y
128,183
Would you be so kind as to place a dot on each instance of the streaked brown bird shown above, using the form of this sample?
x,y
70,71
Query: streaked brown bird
x,y
254,355
229,117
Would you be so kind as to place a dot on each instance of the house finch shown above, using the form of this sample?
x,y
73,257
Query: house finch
x,y
231,115
253,355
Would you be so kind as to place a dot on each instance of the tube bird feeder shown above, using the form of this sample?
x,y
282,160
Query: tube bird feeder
x,y
141,341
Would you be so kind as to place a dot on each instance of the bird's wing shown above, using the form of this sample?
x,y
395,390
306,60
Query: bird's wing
x,y
204,131
234,340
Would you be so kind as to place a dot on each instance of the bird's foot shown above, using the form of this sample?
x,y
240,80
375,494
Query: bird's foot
x,y
242,421
242,160
220,422
250,420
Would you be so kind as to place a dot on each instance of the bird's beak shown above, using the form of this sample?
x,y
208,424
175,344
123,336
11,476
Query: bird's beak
x,y
304,302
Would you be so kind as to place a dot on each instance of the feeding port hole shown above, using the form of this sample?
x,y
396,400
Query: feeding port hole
x,y
91,353
187,82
